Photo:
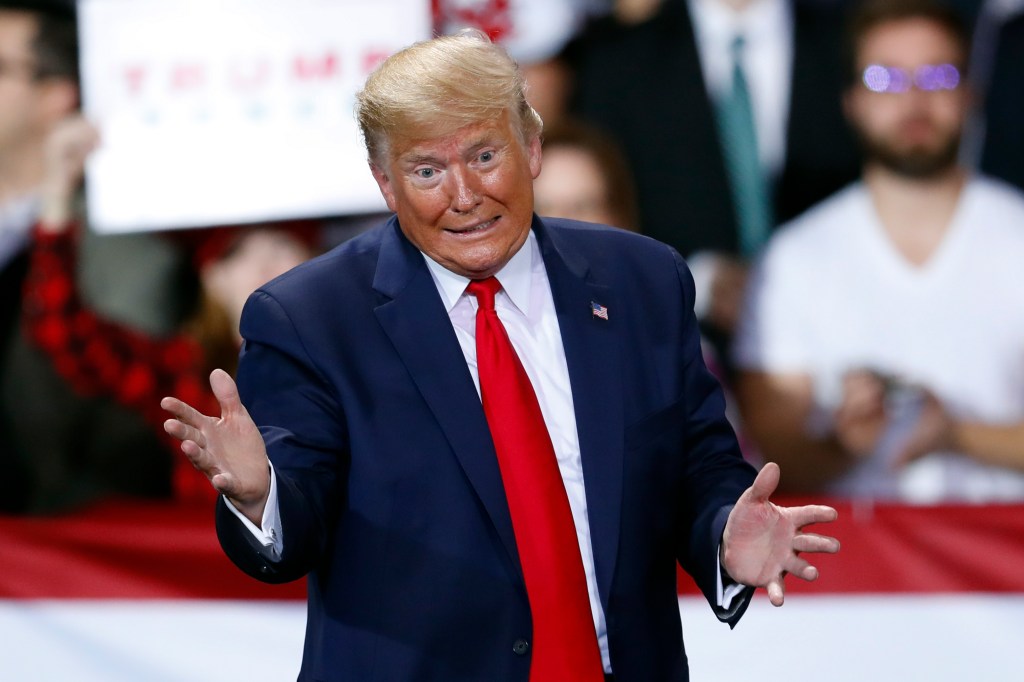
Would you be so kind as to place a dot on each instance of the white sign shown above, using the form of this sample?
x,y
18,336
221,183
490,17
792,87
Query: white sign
x,y
232,111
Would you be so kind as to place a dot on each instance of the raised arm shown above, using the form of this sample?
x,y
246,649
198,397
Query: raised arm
x,y
66,150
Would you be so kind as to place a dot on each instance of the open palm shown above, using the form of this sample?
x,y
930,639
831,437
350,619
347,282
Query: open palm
x,y
763,541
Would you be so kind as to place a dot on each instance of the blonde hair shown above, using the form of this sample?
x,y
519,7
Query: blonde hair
x,y
435,87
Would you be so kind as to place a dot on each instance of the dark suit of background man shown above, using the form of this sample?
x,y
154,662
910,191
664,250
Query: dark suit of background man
x,y
361,370
1003,154
662,88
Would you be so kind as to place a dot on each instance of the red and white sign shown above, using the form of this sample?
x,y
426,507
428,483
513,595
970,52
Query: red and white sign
x,y
232,111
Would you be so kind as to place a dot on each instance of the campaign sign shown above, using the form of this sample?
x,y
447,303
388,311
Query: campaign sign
x,y
232,111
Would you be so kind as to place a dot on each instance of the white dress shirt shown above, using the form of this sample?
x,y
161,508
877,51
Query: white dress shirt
x,y
527,310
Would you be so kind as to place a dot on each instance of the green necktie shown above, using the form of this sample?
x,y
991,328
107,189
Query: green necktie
x,y
738,135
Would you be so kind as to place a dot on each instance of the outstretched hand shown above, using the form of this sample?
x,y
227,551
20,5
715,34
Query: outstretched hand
x,y
763,541
228,450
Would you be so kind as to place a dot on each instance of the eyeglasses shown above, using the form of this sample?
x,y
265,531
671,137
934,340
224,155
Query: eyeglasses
x,y
929,78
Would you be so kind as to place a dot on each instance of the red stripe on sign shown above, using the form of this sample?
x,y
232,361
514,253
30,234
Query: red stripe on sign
x,y
916,549
126,550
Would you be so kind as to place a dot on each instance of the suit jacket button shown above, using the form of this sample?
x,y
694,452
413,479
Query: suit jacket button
x,y
520,647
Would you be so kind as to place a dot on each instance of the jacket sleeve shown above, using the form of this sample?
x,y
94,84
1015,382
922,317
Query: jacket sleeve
x,y
715,472
300,418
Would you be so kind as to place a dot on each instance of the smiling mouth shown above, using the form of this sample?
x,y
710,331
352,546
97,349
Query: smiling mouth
x,y
474,228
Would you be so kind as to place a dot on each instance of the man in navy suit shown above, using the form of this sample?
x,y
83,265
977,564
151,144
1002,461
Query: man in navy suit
x,y
373,469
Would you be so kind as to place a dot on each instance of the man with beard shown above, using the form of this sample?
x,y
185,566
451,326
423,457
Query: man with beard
x,y
883,342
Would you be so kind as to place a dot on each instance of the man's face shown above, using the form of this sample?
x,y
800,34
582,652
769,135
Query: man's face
x,y
464,199
19,91
916,132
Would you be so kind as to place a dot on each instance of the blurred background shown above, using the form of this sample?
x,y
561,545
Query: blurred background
x,y
160,160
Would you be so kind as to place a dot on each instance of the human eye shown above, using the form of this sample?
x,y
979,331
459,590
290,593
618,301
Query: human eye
x,y
425,173
486,157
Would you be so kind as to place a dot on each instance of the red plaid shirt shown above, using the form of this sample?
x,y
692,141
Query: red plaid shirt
x,y
99,357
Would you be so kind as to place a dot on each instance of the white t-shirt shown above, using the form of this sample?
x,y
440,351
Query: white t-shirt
x,y
832,294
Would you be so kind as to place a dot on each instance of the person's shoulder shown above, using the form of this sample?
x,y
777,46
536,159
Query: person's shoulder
x,y
614,254
997,205
824,225
351,262
989,190
603,240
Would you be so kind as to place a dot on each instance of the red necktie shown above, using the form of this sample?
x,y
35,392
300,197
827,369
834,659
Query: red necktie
x,y
564,642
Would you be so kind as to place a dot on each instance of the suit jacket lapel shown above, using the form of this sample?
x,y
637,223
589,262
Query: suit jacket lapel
x,y
415,320
592,354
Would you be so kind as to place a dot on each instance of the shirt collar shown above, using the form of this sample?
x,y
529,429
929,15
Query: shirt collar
x,y
515,277
719,25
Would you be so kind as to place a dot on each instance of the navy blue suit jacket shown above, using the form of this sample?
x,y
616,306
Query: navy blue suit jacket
x,y
390,494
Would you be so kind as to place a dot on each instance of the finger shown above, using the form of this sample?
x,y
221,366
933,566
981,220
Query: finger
x,y
811,514
776,591
766,482
800,567
200,458
226,392
224,483
183,411
812,542
185,432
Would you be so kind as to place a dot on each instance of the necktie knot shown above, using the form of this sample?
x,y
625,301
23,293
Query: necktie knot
x,y
736,48
485,290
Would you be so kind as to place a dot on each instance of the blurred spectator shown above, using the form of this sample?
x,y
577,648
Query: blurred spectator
x,y
635,11
533,32
584,177
120,275
884,340
38,88
97,357
728,112
1003,152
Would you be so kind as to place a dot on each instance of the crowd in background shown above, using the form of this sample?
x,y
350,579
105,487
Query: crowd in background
x,y
893,369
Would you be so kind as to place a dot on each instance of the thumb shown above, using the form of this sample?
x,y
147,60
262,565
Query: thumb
x,y
224,483
766,482
226,392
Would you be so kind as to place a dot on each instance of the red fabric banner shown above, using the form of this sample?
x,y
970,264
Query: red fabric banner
x,y
132,550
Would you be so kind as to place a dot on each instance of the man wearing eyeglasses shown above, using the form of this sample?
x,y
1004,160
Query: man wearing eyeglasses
x,y
38,72
883,340
38,89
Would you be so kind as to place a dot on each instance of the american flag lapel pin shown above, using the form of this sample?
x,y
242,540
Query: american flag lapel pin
x,y
598,310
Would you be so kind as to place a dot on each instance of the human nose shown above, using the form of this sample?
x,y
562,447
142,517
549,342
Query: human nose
x,y
465,190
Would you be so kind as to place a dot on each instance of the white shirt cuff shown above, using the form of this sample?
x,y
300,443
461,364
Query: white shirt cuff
x,y
269,534
724,594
